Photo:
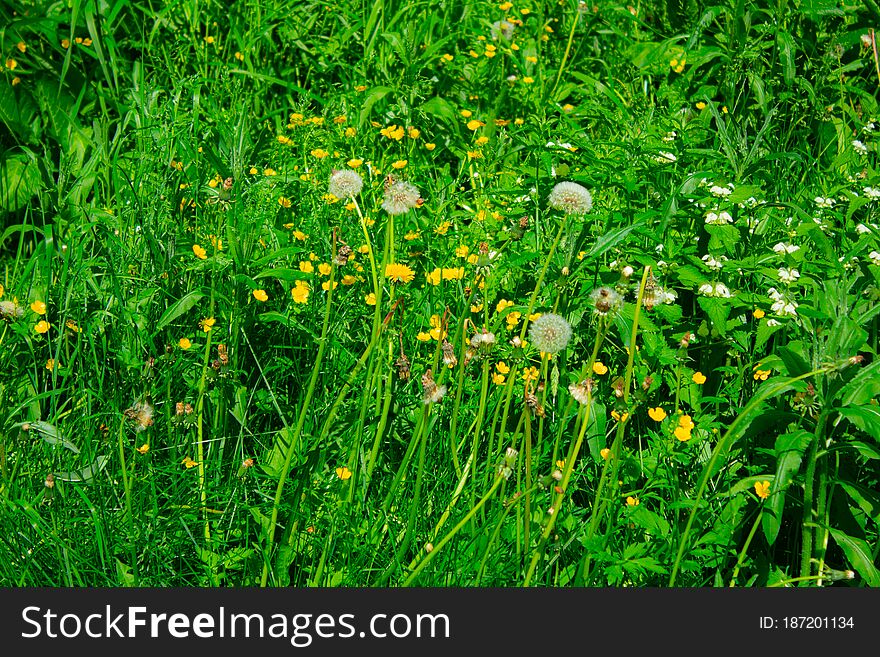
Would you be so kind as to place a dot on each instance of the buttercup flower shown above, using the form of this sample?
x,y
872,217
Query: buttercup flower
x,y
762,489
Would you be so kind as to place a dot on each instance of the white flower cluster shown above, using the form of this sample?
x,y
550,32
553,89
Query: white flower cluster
x,y
787,275
824,202
718,218
719,290
861,229
872,192
664,158
721,192
782,248
874,257
859,147
713,263
782,306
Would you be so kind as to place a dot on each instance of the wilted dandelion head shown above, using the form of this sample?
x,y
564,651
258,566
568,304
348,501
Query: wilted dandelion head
x,y
431,392
400,197
605,301
550,333
345,183
10,310
141,413
571,198
581,391
503,30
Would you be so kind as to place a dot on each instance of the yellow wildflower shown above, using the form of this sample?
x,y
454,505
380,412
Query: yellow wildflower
x,y
762,489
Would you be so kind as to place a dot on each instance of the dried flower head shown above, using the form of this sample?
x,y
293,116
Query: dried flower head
x,y
10,310
449,357
403,367
550,333
571,198
605,301
345,183
431,392
401,197
141,413
581,391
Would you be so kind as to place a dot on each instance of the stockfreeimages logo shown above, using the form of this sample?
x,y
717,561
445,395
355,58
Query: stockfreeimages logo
x,y
300,629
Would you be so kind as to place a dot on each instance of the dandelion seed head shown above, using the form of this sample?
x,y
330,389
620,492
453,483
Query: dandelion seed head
x,y
400,198
345,183
570,198
605,301
550,333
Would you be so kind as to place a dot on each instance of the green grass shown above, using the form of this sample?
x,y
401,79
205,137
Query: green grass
x,y
210,375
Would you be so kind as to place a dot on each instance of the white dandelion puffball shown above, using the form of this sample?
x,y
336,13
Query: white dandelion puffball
x,y
571,198
400,197
345,184
550,333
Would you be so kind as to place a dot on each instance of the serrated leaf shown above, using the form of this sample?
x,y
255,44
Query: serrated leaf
x,y
863,387
789,450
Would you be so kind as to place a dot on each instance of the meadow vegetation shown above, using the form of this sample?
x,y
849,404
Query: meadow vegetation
x,y
453,293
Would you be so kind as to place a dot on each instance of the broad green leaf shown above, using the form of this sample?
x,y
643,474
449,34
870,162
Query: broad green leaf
x,y
49,433
789,449
19,182
866,418
177,309
868,500
87,473
787,50
863,387
718,310
795,362
858,552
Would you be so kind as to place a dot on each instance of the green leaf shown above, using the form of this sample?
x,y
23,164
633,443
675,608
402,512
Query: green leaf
x,y
863,387
87,473
718,310
177,309
858,552
792,356
49,433
866,418
868,500
373,96
789,449
441,108
785,43
19,182
649,521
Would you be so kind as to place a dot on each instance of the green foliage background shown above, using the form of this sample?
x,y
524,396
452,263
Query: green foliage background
x,y
304,456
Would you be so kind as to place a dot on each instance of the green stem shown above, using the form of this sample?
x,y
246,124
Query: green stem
x,y
294,440
742,553
461,523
